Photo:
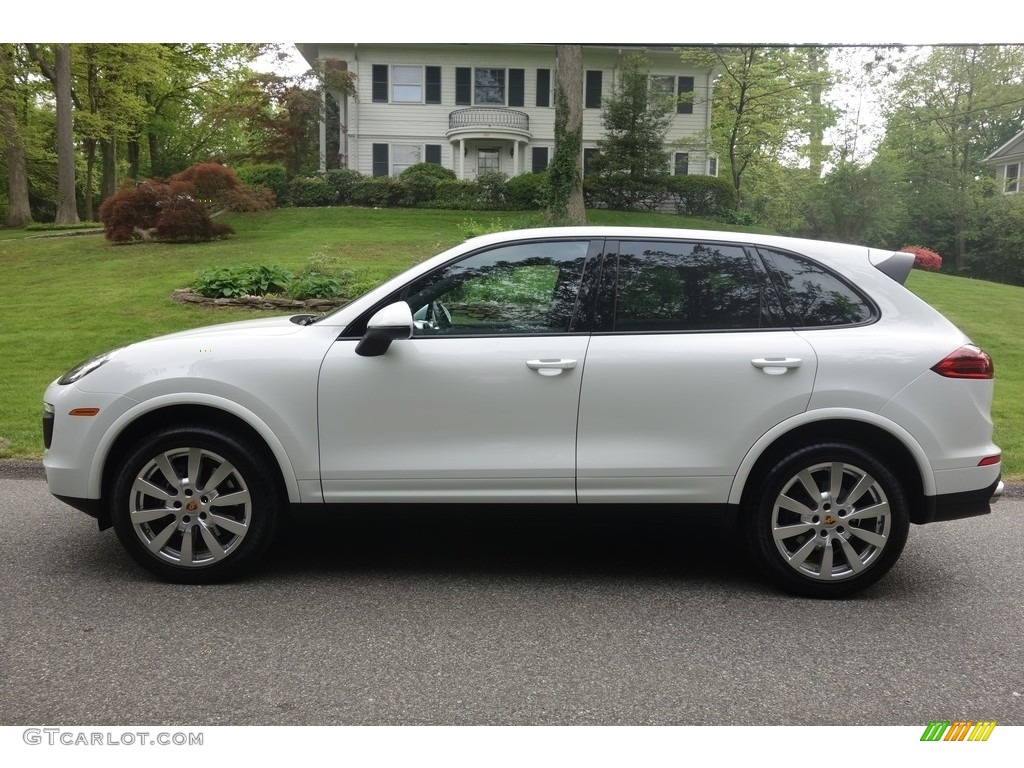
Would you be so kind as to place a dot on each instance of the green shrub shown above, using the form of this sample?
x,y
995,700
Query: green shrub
x,y
273,177
622,192
527,191
701,195
322,278
343,181
492,188
229,282
419,182
310,192
377,192
457,194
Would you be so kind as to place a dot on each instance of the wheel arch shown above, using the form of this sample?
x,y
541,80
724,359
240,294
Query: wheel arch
x,y
133,425
888,442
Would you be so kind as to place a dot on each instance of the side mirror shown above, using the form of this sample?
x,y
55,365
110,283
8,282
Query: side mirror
x,y
391,323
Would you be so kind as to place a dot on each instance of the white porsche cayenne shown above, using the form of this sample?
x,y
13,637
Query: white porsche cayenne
x,y
794,385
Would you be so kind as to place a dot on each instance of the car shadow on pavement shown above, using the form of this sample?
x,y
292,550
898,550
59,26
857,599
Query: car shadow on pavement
x,y
550,540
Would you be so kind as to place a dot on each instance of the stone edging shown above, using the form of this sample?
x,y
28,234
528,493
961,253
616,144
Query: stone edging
x,y
188,296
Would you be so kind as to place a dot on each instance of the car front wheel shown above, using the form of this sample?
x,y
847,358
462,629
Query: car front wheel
x,y
829,520
194,505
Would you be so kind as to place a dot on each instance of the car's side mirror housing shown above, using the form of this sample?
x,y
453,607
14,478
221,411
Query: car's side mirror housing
x,y
391,323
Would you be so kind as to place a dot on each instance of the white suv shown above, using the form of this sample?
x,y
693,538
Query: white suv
x,y
793,384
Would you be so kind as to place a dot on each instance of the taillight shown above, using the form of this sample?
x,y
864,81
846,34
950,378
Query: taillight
x,y
968,362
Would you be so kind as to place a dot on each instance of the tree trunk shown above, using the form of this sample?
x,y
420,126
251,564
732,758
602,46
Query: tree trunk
x,y
565,176
67,206
108,183
19,212
134,157
154,155
90,164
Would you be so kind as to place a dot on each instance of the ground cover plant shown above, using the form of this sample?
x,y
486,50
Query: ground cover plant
x,y
67,298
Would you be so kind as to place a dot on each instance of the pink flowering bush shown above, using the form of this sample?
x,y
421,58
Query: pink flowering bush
x,y
924,258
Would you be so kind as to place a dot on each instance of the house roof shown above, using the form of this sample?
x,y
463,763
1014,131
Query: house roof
x,y
1010,151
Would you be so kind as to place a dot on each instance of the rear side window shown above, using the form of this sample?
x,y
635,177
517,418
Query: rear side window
x,y
688,286
813,297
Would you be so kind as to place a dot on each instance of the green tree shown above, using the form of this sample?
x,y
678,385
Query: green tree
x,y
768,107
951,106
632,162
19,211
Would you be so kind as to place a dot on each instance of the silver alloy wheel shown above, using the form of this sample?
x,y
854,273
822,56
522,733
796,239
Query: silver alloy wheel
x,y
831,521
190,506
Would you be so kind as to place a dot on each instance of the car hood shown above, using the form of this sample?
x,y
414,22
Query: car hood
x,y
264,326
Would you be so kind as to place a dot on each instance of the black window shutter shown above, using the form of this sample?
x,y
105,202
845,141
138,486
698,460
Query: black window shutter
x,y
685,89
380,82
433,85
380,159
516,87
463,85
593,89
540,159
433,154
543,87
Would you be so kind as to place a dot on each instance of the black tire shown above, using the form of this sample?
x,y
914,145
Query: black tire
x,y
827,521
202,529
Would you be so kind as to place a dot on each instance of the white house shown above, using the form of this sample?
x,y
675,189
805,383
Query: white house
x,y
490,107
1008,160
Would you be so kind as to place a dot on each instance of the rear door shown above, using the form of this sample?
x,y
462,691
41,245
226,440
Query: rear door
x,y
691,362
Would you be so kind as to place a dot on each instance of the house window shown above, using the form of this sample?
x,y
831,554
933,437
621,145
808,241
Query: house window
x,y
407,84
488,160
682,164
663,85
592,89
463,85
589,153
432,154
540,159
516,87
380,159
433,85
1012,183
543,87
380,82
402,156
488,86
685,96
712,166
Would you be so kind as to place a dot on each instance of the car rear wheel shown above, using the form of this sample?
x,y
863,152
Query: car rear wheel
x,y
829,520
193,505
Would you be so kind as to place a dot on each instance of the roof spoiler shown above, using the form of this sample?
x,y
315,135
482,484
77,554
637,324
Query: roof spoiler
x,y
896,265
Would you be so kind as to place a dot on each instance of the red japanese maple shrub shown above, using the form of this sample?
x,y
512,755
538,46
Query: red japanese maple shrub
x,y
924,258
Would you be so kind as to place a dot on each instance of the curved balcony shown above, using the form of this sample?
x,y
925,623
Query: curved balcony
x,y
480,122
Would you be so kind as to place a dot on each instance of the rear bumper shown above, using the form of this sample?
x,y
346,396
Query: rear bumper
x,y
954,506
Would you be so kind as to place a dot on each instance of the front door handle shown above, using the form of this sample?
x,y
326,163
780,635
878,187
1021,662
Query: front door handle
x,y
550,367
775,366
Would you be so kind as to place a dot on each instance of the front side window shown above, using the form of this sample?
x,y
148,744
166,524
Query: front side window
x,y
407,84
523,289
663,85
689,286
712,166
488,86
813,297
682,164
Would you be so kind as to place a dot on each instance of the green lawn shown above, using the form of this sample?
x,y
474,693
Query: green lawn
x,y
63,299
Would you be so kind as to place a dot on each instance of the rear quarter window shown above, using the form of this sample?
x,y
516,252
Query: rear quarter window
x,y
813,296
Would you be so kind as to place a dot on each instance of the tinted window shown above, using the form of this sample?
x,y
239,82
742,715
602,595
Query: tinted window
x,y
518,289
679,286
812,296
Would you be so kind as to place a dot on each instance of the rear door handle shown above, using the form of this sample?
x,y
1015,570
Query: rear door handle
x,y
774,366
550,367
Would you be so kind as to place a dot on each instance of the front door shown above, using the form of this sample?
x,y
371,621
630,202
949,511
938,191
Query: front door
x,y
481,403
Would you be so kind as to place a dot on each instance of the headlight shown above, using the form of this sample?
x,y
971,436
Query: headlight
x,y
86,367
